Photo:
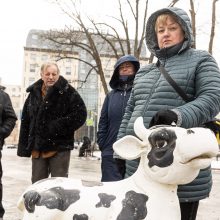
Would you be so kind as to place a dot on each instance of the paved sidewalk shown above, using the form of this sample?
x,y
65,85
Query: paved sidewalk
x,y
17,174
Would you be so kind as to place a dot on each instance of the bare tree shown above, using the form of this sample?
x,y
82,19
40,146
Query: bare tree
x,y
213,24
212,34
193,20
104,39
172,4
88,36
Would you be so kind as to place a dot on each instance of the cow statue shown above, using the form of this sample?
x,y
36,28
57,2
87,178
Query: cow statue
x,y
169,156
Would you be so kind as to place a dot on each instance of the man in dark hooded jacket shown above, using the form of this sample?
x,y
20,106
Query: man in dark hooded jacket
x,y
7,123
111,115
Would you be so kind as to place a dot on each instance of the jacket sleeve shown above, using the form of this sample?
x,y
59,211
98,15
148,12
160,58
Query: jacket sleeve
x,y
207,98
9,117
73,120
103,124
23,150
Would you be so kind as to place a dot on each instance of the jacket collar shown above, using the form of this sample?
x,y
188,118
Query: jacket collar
x,y
61,85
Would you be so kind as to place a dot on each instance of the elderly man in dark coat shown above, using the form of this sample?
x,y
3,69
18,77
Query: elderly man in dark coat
x,y
52,112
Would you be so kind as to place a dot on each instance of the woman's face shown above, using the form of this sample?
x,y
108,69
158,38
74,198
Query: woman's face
x,y
169,33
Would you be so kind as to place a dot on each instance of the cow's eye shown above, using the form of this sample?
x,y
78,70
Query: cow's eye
x,y
160,143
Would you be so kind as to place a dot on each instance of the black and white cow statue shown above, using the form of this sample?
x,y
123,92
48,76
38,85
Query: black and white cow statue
x,y
169,156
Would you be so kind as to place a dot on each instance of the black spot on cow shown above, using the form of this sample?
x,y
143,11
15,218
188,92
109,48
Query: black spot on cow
x,y
134,206
190,131
80,217
105,200
54,198
30,199
163,143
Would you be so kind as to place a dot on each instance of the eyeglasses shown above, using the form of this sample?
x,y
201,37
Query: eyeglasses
x,y
126,65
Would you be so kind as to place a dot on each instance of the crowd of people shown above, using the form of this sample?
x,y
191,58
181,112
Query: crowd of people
x,y
54,110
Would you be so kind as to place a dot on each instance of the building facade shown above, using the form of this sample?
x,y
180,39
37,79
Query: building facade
x,y
74,68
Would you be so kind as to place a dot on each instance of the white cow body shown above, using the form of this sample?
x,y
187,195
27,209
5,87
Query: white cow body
x,y
151,193
89,198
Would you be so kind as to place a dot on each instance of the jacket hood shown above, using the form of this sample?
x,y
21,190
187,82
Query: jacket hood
x,y
183,20
115,76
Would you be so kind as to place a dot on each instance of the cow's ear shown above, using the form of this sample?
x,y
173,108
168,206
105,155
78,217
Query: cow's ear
x,y
129,147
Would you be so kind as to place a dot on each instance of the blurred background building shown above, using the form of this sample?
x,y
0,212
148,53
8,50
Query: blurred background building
x,y
38,51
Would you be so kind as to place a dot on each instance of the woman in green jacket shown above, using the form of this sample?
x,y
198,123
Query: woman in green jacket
x,y
169,38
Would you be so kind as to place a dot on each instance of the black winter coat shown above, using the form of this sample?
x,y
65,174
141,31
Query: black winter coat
x,y
48,124
7,116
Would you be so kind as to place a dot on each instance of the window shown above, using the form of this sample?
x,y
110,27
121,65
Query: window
x,y
33,56
45,47
68,70
34,36
44,57
32,68
34,45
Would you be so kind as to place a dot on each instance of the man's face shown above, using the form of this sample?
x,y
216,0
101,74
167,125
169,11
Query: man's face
x,y
50,75
126,68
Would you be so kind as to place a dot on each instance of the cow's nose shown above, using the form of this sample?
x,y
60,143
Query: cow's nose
x,y
160,136
163,143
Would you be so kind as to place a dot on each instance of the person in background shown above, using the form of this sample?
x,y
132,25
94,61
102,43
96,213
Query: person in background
x,y
86,145
169,38
111,115
8,119
52,112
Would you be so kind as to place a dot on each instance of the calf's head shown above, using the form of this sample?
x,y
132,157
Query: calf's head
x,y
170,155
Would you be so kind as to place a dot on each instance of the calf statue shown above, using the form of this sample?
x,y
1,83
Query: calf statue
x,y
169,156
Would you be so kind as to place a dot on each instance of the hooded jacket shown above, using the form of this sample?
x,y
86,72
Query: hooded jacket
x,y
114,107
196,72
7,116
49,124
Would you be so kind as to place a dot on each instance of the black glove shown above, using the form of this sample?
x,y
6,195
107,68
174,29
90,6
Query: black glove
x,y
163,117
213,125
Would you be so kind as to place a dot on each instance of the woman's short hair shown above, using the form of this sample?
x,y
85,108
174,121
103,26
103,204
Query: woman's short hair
x,y
162,19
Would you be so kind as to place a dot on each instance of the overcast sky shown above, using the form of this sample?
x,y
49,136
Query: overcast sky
x,y
18,17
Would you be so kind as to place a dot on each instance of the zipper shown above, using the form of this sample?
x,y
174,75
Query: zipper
x,y
124,97
149,97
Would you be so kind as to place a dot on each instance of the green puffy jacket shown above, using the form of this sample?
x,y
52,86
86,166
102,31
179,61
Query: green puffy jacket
x,y
197,73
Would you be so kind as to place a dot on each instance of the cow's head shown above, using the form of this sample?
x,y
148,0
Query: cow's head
x,y
169,154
